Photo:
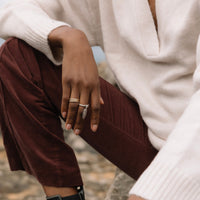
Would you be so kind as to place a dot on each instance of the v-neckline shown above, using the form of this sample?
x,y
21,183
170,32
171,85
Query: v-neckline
x,y
152,8
149,33
136,25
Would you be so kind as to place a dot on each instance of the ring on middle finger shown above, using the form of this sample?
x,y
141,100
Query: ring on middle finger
x,y
85,106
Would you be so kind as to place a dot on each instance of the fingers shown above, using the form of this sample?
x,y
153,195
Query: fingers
x,y
65,100
74,113
72,108
95,109
101,101
84,99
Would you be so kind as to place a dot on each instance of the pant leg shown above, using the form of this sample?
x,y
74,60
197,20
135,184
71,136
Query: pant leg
x,y
12,153
30,124
121,137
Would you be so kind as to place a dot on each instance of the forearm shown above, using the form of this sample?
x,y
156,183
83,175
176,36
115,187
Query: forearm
x,y
26,20
33,21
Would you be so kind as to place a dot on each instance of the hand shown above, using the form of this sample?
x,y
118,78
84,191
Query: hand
x,y
79,78
133,197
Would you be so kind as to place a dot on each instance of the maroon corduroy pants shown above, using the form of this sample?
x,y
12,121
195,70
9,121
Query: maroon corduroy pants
x,y
30,101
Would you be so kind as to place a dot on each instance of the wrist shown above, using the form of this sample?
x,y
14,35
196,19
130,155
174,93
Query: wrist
x,y
65,36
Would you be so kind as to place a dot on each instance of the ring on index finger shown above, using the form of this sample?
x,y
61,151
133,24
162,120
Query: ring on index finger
x,y
85,106
74,100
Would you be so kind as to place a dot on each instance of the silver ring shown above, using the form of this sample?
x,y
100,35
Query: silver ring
x,y
84,113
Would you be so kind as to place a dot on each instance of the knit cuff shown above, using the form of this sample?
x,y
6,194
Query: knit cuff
x,y
37,37
163,181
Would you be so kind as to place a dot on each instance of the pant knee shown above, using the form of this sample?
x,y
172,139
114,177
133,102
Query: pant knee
x,y
19,63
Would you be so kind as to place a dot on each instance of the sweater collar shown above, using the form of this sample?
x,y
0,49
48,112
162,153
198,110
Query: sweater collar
x,y
136,25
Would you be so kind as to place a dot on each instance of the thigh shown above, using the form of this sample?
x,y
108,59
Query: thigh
x,y
8,139
122,135
30,123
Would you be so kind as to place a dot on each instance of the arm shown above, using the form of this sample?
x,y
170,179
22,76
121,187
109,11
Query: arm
x,y
79,76
175,172
33,20
43,25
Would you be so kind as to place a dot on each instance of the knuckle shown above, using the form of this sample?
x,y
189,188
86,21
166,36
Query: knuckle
x,y
80,110
70,118
73,107
96,108
76,82
86,85
96,84
65,98
91,84
78,124
95,119
67,80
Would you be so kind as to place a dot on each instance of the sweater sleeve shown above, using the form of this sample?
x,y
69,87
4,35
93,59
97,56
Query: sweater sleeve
x,y
175,171
33,20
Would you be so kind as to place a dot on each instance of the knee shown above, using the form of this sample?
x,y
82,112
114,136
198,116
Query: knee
x,y
16,58
12,48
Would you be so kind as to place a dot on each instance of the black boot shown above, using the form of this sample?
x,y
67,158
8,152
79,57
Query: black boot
x,y
79,196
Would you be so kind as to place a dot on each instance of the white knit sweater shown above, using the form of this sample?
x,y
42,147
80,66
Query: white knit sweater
x,y
161,70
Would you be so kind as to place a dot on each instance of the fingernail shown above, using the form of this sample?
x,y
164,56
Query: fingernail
x,y
102,101
64,114
94,128
77,131
68,126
